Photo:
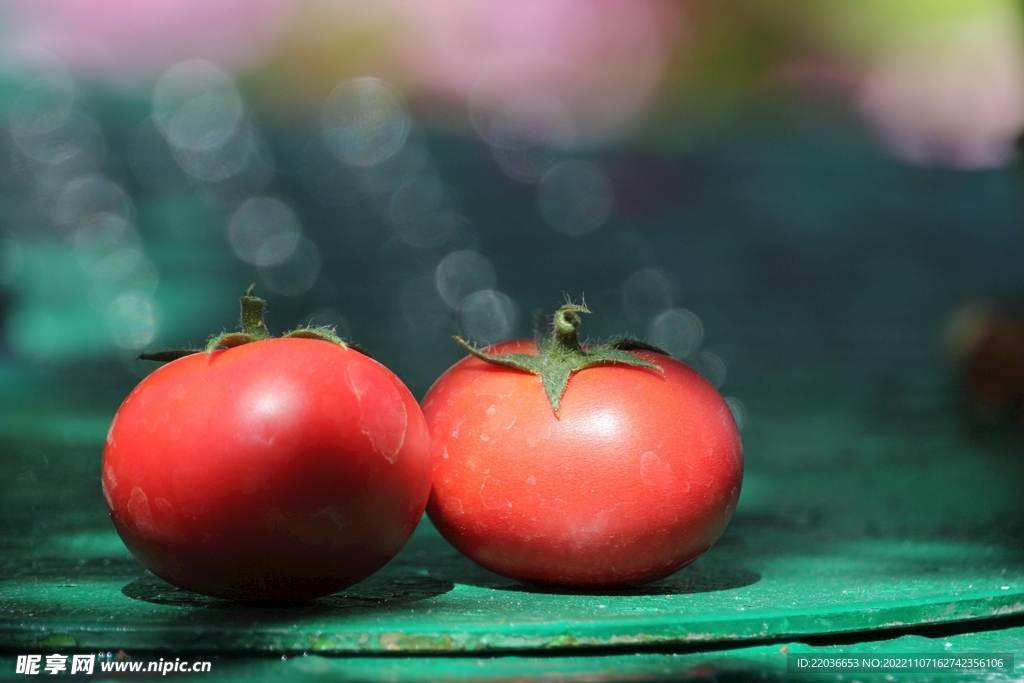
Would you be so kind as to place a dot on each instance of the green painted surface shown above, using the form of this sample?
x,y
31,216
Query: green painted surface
x,y
839,529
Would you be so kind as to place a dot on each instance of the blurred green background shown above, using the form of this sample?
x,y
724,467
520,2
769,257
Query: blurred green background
x,y
763,188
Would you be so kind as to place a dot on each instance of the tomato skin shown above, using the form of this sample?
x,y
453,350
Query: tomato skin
x,y
636,476
279,470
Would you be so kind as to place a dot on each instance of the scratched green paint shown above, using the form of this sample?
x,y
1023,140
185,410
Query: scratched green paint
x,y
761,663
764,663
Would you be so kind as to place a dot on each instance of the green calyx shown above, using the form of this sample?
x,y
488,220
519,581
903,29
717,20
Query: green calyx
x,y
253,328
560,354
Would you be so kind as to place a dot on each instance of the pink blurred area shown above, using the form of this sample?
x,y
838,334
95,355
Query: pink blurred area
x,y
127,40
566,73
594,65
952,97
601,60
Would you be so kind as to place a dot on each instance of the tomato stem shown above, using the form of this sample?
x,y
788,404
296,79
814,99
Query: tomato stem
x,y
560,354
253,328
252,315
565,328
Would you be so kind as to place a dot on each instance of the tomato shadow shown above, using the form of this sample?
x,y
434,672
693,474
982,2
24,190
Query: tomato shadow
x,y
382,591
688,581
429,552
706,575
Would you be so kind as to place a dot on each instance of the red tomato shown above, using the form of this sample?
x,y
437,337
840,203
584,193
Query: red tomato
x,y
282,469
634,477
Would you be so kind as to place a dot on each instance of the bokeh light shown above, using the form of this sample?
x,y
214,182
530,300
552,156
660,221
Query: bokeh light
x,y
264,231
646,293
200,113
196,106
84,198
126,271
678,331
76,148
488,316
739,411
364,122
529,135
711,366
294,275
133,321
107,245
40,117
462,273
43,106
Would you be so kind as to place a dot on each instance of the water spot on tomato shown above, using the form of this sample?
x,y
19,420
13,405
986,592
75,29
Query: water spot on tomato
x,y
162,525
492,410
138,509
166,521
109,483
382,415
489,493
444,452
484,437
654,472
455,506
490,389
163,507
531,480
110,432
178,392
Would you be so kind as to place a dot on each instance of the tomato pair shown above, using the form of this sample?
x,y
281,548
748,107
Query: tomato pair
x,y
285,469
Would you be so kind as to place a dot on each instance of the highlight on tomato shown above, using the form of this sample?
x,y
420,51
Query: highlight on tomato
x,y
586,467
267,469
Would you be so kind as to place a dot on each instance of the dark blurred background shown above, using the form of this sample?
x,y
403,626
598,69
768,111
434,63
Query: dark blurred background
x,y
773,191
